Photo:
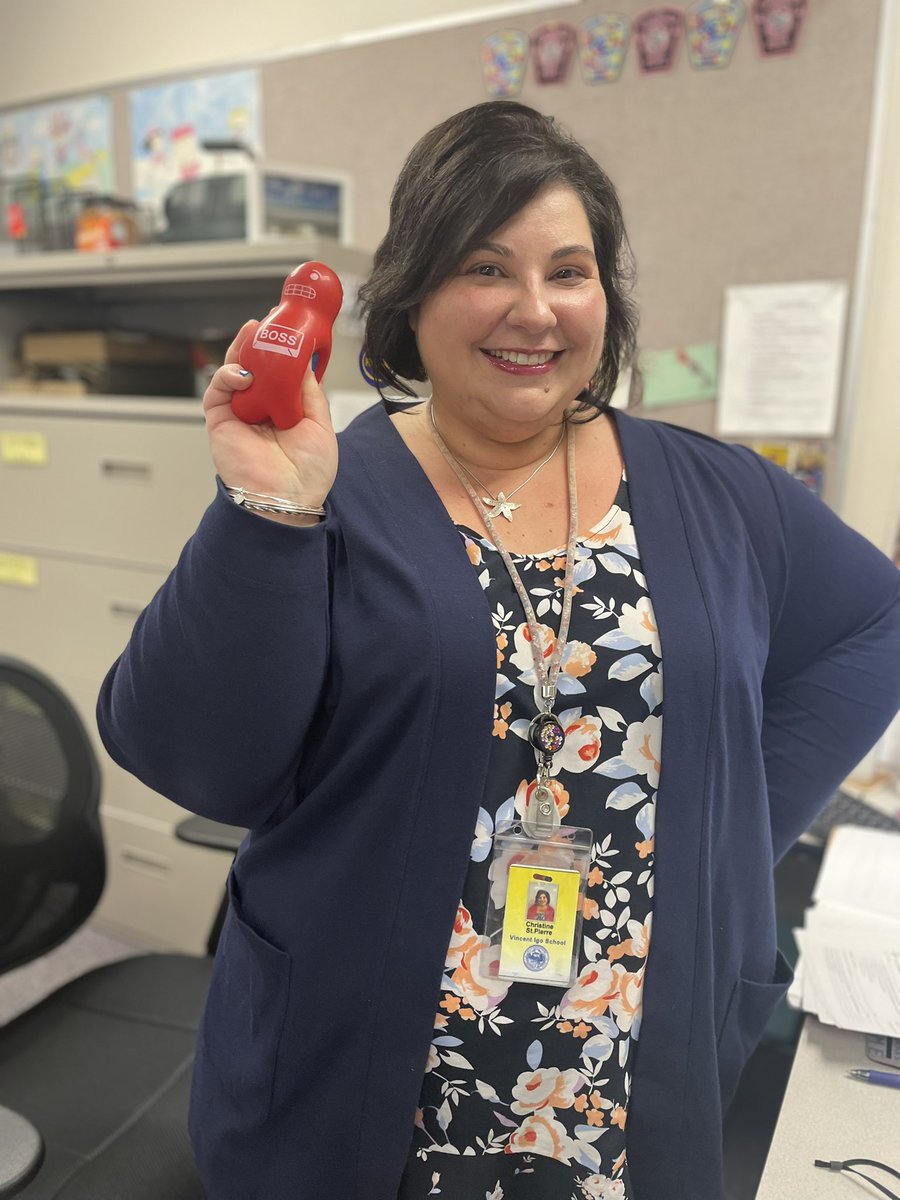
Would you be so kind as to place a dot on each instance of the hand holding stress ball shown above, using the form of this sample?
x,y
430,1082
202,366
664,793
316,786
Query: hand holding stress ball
x,y
294,334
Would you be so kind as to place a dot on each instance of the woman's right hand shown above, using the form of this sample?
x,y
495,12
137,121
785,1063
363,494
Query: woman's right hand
x,y
298,464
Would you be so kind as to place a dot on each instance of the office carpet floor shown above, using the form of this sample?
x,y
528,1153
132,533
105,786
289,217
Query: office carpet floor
x,y
748,1128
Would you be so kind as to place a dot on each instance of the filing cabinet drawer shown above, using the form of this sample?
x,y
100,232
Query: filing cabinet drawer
x,y
160,890
73,619
117,489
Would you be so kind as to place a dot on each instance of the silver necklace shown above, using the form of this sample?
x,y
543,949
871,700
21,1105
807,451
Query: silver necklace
x,y
545,733
501,505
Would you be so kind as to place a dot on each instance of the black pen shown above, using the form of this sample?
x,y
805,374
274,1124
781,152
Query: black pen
x,y
885,1078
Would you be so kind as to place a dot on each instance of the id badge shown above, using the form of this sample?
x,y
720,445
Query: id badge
x,y
536,902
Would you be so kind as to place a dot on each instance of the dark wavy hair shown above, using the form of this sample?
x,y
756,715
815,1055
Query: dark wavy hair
x,y
462,181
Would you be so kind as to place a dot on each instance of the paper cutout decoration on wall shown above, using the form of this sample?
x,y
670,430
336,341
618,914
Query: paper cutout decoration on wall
x,y
711,32
778,24
657,33
504,57
603,42
552,50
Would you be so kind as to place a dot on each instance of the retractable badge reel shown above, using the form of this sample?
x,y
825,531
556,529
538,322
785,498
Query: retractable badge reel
x,y
296,333
538,879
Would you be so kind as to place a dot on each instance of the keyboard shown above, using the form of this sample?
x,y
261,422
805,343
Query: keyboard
x,y
845,809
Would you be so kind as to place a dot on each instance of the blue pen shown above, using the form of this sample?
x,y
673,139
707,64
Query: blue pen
x,y
885,1078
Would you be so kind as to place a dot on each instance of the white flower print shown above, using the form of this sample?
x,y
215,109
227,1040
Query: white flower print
x,y
642,746
601,1187
638,622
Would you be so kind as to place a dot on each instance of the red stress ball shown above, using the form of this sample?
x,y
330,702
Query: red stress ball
x,y
296,333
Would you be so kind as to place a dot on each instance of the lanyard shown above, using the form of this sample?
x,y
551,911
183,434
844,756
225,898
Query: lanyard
x,y
545,732
849,1166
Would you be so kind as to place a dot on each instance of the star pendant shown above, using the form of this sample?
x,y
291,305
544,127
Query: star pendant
x,y
502,506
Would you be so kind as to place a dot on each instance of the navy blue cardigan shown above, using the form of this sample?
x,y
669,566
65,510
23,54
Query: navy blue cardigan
x,y
332,688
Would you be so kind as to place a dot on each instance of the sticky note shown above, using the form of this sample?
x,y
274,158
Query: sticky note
x,y
29,449
18,570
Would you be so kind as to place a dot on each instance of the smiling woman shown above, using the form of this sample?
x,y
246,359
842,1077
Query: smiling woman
x,y
447,691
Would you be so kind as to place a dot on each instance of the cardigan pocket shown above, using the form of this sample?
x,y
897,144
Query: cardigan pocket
x,y
749,1008
245,1013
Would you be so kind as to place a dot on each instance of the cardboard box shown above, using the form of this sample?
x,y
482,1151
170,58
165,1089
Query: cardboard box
x,y
101,348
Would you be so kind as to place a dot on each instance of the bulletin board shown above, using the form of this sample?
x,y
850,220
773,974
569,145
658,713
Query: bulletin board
x,y
752,173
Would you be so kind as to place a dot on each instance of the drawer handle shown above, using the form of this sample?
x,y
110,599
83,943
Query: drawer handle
x,y
113,468
145,861
132,611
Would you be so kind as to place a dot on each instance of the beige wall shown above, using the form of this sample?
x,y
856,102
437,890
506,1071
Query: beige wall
x,y
870,499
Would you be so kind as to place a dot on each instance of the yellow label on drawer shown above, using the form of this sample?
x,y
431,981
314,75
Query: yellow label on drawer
x,y
27,448
18,570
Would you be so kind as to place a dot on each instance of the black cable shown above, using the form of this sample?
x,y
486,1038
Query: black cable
x,y
849,1164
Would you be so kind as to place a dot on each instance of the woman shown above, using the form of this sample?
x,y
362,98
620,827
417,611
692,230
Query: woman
x,y
542,909
356,677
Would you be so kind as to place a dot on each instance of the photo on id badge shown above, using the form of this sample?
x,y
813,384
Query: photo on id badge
x,y
537,941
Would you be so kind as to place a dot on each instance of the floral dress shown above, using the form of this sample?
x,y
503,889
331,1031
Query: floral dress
x,y
526,1089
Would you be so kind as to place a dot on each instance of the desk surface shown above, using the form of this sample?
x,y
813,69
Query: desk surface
x,y
825,1115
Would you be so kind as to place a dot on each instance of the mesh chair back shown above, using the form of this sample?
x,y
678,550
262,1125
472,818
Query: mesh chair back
x,y
52,863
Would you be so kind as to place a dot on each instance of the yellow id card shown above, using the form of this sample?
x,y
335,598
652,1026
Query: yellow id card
x,y
540,916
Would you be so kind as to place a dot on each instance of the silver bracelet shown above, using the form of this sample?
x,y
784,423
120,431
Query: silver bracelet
x,y
263,502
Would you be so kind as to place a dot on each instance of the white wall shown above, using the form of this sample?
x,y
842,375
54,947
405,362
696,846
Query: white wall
x,y
52,48
871,494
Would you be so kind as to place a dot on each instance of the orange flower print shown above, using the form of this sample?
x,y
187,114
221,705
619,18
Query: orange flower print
x,y
596,877
462,937
581,1030
582,745
645,849
450,1003
467,1014
501,720
473,550
591,909
541,1134
522,658
619,1116
602,1187
502,643
625,1005
592,993
635,946
547,1087
616,527
577,659
476,976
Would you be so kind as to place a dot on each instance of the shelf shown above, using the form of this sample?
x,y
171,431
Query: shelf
x,y
185,262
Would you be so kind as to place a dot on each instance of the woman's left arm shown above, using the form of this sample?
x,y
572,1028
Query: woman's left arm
x,y
832,682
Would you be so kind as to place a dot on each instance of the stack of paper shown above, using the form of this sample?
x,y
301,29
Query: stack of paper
x,y
848,973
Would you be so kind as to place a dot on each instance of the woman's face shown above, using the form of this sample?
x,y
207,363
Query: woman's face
x,y
513,336
542,899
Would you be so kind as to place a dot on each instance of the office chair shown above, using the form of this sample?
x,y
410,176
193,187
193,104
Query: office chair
x,y
100,1068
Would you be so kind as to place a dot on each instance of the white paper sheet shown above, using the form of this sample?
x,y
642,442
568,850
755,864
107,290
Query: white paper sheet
x,y
861,871
849,968
781,355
